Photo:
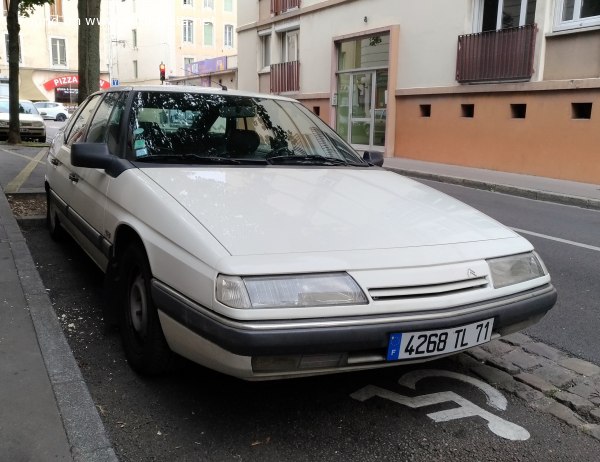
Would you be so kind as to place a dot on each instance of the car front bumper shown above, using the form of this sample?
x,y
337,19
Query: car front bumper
x,y
365,337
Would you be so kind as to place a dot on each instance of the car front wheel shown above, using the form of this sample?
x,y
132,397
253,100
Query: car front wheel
x,y
61,117
52,222
143,339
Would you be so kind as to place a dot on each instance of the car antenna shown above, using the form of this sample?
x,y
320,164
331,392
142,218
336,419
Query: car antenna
x,y
223,87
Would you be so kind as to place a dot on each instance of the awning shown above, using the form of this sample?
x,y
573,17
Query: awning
x,y
29,89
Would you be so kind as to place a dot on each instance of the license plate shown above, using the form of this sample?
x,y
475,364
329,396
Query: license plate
x,y
412,345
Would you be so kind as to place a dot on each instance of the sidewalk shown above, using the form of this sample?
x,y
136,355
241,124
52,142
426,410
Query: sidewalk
x,y
533,187
46,412
46,409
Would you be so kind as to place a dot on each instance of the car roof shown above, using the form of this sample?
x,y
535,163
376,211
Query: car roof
x,y
196,89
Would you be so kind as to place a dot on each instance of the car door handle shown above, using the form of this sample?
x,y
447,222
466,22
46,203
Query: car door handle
x,y
74,177
55,161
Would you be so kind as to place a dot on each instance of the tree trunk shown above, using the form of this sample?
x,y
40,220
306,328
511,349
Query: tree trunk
x,y
88,47
12,22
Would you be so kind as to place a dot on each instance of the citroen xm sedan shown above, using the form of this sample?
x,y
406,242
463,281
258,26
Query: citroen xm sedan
x,y
240,231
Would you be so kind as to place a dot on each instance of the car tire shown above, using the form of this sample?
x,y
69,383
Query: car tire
x,y
143,340
61,117
54,228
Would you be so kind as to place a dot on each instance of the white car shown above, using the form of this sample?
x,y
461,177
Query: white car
x,y
53,111
30,122
240,231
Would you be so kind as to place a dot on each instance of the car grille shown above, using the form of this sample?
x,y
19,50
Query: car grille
x,y
430,290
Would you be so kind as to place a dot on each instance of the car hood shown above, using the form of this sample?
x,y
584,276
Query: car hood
x,y
22,117
279,210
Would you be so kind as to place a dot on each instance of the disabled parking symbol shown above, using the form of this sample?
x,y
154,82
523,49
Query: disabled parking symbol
x,y
466,408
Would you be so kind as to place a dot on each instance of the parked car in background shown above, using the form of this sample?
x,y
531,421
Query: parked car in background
x,y
31,122
240,231
53,111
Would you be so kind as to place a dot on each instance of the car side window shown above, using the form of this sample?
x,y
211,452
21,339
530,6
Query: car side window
x,y
105,124
77,129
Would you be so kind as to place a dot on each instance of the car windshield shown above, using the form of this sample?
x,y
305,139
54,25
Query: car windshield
x,y
173,127
25,107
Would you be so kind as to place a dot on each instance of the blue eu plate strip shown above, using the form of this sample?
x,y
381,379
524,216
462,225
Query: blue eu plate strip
x,y
394,347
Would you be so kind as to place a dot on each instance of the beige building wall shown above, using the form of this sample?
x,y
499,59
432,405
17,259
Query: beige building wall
x,y
37,32
159,27
557,134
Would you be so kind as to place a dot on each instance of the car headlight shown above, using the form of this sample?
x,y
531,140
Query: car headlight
x,y
514,269
38,124
289,291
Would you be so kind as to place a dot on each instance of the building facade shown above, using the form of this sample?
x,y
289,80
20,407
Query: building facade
x,y
178,33
510,85
48,61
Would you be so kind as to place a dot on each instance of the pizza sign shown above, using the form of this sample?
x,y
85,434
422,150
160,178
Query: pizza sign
x,y
70,80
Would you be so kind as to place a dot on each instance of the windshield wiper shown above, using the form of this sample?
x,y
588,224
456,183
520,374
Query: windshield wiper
x,y
187,159
306,159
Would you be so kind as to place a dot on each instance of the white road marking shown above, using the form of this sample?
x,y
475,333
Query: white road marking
x,y
497,425
495,399
557,239
20,155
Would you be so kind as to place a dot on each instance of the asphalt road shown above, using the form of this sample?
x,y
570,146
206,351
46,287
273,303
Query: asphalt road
x,y
196,414
574,323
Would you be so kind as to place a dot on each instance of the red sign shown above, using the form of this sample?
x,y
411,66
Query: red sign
x,y
70,80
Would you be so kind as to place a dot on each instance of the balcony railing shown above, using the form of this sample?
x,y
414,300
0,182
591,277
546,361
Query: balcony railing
x,y
285,77
505,54
281,6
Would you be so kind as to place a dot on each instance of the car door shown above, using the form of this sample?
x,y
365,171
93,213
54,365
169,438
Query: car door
x,y
85,190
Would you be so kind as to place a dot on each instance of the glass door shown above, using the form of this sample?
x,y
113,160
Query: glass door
x,y
361,109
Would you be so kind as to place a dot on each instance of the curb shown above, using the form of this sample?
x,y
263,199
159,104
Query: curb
x,y
546,196
546,378
84,428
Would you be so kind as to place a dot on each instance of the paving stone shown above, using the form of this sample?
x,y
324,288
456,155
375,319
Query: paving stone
x,y
575,402
593,430
498,348
503,365
536,382
522,359
595,415
588,390
563,413
544,350
556,375
581,367
517,339
528,394
479,354
466,361
496,377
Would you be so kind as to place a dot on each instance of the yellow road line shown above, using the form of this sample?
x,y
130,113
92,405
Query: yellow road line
x,y
14,185
20,155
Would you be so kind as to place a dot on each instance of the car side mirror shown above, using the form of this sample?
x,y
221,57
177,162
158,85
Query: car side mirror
x,y
373,157
91,155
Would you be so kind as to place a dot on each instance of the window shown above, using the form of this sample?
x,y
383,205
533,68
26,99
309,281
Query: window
x,y
134,38
6,42
265,47
289,46
228,36
59,53
572,14
188,31
228,5
99,124
208,34
518,111
188,2
467,110
5,4
503,14
209,4
79,123
425,110
135,69
56,11
581,110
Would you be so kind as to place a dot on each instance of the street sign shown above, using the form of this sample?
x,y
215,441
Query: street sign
x,y
114,82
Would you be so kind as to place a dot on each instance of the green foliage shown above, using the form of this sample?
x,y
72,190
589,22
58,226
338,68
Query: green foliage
x,y
26,7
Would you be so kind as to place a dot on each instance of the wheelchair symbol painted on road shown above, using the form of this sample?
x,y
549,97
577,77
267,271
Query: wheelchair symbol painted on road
x,y
466,408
